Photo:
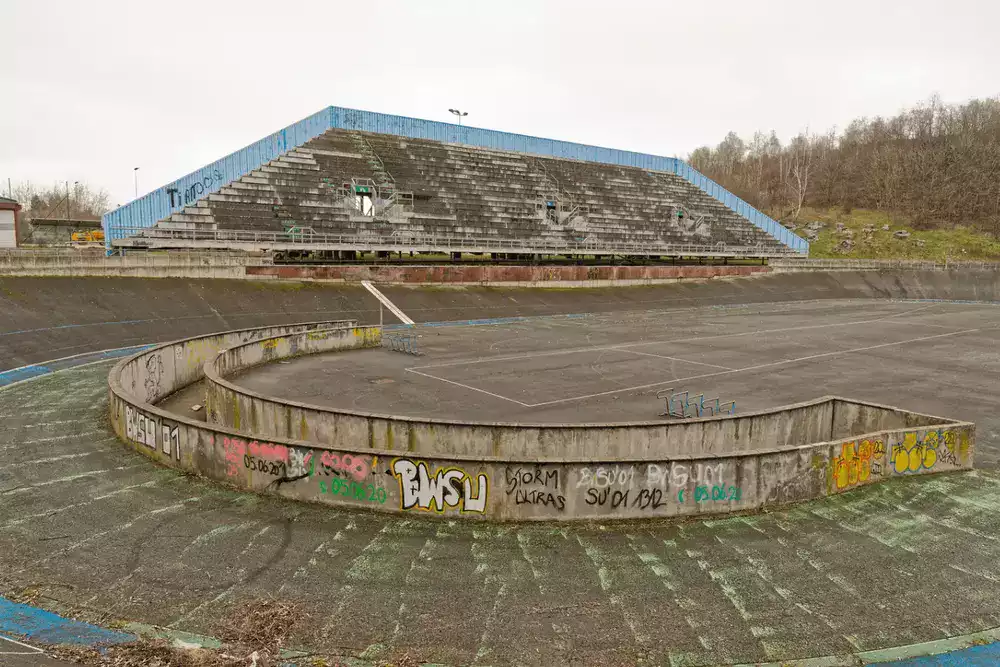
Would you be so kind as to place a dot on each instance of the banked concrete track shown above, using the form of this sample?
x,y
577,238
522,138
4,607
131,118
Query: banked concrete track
x,y
90,527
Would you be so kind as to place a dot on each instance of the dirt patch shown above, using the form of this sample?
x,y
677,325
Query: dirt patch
x,y
253,633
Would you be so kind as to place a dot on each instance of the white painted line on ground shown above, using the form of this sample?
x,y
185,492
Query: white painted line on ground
x,y
465,386
625,346
68,478
32,650
56,510
750,368
63,457
52,423
686,361
400,315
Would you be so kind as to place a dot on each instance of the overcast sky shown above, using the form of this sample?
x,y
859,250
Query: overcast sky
x,y
89,90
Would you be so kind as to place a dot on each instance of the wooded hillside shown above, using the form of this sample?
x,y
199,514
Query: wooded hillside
x,y
936,164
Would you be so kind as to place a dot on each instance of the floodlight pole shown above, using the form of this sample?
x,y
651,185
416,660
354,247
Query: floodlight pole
x,y
459,114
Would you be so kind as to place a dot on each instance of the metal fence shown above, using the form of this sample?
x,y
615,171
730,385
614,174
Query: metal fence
x,y
419,243
160,203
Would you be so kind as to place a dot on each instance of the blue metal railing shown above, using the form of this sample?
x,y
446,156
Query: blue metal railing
x,y
157,205
760,220
173,197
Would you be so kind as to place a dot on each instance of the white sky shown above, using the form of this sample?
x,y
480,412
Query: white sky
x,y
89,90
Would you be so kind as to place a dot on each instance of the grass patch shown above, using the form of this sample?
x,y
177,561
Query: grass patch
x,y
955,244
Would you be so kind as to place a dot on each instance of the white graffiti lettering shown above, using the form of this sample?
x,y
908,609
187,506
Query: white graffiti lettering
x,y
678,474
447,487
143,429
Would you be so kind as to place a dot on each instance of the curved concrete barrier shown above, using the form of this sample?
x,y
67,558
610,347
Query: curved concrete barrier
x,y
535,472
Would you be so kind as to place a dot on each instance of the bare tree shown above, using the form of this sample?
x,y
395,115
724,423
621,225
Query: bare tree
x,y
934,163
799,169
79,201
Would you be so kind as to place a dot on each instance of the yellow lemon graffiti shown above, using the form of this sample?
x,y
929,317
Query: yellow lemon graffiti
x,y
911,457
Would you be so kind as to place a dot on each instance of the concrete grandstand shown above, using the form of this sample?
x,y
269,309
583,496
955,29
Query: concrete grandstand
x,y
350,182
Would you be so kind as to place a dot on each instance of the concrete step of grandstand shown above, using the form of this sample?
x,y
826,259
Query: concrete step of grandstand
x,y
467,191
188,225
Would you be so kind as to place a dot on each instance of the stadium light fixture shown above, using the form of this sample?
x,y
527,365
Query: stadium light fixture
x,y
459,114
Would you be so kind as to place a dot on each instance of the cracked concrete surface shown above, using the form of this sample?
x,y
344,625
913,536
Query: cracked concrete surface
x,y
93,528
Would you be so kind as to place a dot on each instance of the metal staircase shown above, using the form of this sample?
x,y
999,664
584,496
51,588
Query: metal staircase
x,y
567,211
389,200
386,183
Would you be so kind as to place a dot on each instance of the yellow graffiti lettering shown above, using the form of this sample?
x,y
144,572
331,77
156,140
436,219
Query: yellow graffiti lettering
x,y
912,456
857,462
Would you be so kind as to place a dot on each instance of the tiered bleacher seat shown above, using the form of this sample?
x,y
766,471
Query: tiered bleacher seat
x,y
462,191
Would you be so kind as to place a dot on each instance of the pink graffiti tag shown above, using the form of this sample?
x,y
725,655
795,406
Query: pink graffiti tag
x,y
235,450
266,450
355,466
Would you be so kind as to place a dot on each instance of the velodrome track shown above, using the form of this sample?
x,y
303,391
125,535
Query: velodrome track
x,y
95,529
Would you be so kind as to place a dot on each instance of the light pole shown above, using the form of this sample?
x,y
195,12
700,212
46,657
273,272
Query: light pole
x,y
135,180
69,200
459,114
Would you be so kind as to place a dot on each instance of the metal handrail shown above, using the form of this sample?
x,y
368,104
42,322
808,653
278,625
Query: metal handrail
x,y
398,240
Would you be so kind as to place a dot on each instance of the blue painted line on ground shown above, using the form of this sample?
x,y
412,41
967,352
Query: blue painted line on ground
x,y
32,371
987,655
36,624
18,374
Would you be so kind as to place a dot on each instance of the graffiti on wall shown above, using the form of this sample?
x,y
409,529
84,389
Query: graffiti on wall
x,y
348,465
145,430
858,462
535,485
197,190
629,487
445,488
919,452
255,456
285,463
679,474
915,454
153,376
362,492
953,447
342,474
717,493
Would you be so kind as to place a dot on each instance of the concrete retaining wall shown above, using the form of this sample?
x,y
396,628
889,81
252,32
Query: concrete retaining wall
x,y
154,374
553,487
979,281
93,262
233,406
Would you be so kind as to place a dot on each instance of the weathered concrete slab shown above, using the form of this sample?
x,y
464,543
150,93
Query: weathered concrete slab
x,y
103,532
